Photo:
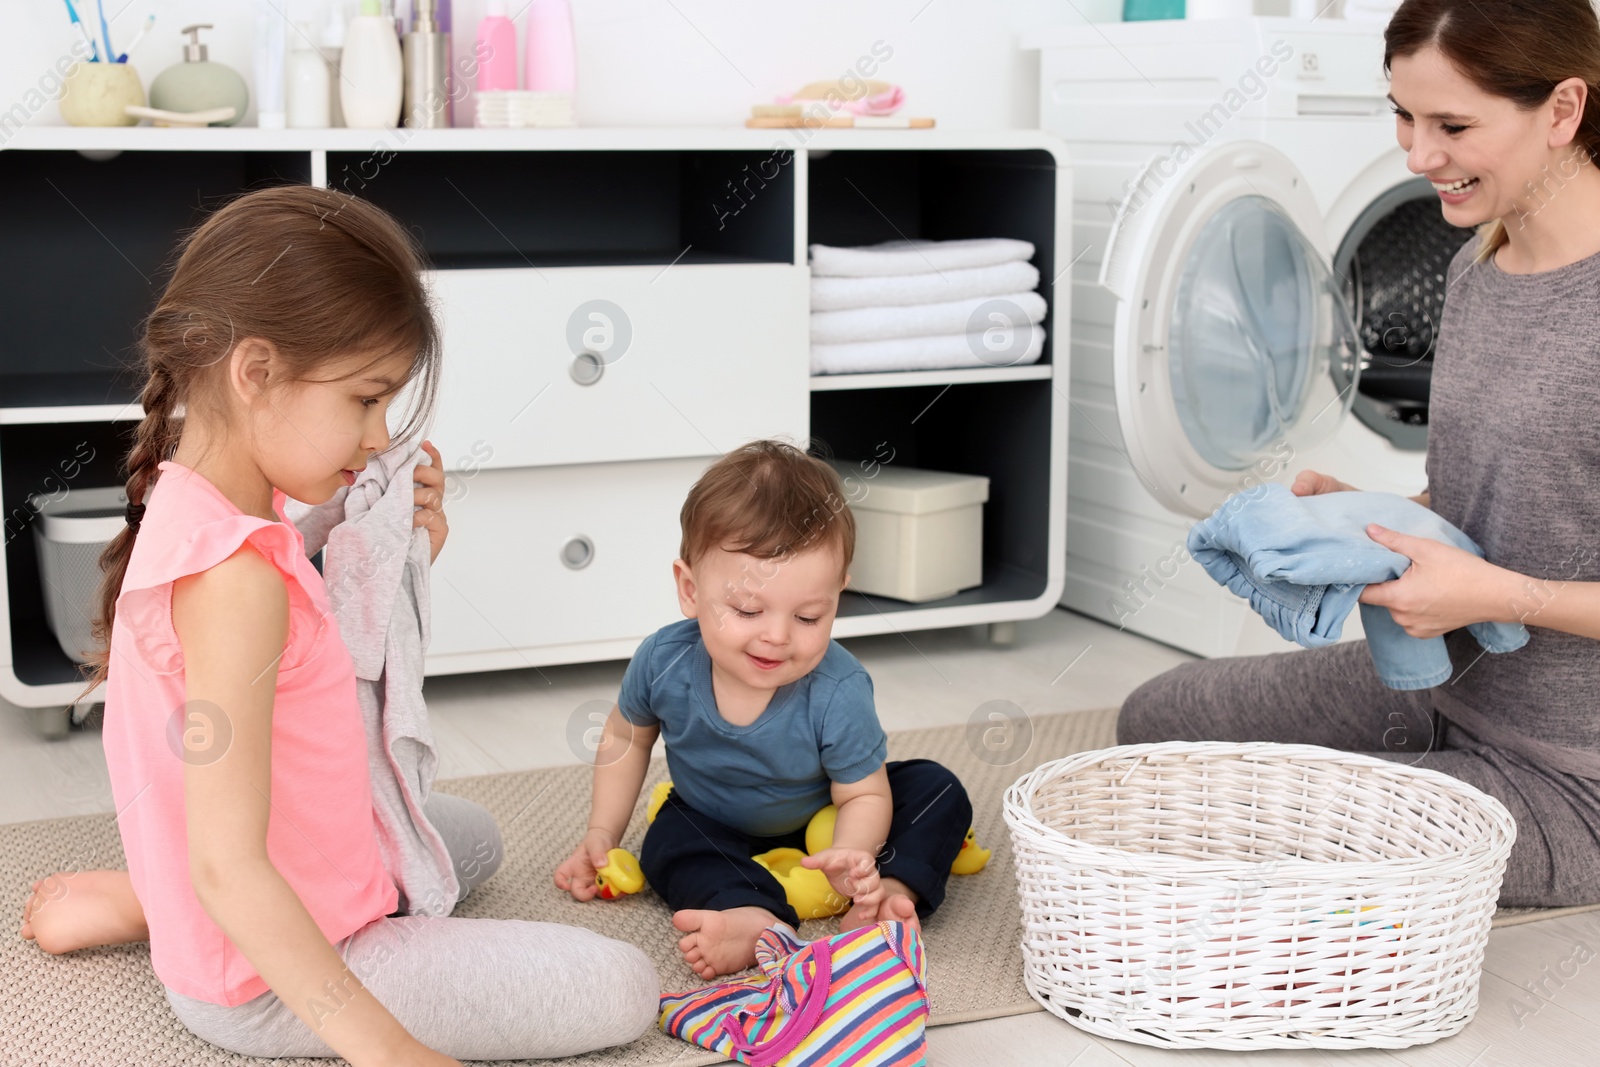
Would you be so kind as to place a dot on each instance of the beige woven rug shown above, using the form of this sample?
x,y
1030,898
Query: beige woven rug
x,y
105,1006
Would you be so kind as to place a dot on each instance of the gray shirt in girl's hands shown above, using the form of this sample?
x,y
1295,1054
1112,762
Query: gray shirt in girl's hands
x,y
770,776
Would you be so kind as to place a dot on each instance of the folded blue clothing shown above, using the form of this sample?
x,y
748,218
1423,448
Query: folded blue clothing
x,y
1302,563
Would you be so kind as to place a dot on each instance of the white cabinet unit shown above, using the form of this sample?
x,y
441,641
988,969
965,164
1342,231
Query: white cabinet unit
x,y
618,307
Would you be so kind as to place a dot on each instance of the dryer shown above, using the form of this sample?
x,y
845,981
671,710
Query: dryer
x,y
1258,286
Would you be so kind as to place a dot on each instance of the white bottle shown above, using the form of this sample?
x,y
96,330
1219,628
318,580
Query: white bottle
x,y
269,67
370,85
332,49
307,82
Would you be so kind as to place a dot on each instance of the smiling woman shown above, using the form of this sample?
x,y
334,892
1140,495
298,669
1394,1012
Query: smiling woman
x,y
1496,102
1496,105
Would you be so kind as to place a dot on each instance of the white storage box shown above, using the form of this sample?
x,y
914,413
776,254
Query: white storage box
x,y
919,533
69,534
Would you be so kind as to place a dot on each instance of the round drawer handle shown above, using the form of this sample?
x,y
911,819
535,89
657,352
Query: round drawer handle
x,y
587,368
577,553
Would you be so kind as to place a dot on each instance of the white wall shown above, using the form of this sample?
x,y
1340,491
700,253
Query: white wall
x,y
649,62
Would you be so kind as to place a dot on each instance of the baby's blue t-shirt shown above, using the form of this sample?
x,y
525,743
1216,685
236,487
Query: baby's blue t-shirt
x,y
771,776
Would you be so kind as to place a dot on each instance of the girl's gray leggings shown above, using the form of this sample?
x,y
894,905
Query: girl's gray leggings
x,y
473,989
1332,696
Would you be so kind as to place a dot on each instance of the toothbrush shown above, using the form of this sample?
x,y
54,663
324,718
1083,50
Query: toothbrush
x,y
150,20
105,30
94,52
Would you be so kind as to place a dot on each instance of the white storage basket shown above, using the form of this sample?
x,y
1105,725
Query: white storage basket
x,y
1255,895
69,534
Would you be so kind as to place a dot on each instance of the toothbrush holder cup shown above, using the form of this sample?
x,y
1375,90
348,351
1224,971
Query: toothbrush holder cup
x,y
94,94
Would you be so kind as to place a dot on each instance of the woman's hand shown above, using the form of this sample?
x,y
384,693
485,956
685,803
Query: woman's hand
x,y
577,871
1444,589
430,501
1311,483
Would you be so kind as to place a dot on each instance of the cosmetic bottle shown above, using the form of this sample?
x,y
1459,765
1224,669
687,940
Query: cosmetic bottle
x,y
332,49
552,60
271,113
497,50
370,88
306,82
198,84
426,54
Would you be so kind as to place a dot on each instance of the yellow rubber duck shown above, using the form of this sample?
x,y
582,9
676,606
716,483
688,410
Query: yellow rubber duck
x,y
620,876
819,831
807,890
658,797
971,859
819,835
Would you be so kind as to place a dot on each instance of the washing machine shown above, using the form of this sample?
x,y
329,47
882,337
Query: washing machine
x,y
1258,282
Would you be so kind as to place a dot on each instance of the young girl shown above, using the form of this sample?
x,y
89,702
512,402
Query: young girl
x,y
233,736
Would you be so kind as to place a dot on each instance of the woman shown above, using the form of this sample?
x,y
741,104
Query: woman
x,y
1497,102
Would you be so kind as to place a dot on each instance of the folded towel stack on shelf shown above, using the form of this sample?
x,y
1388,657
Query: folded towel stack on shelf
x,y
925,305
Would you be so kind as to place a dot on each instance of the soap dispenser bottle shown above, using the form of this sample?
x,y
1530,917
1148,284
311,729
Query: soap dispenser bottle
x,y
197,84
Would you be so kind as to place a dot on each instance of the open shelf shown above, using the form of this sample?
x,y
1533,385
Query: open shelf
x,y
48,460
550,209
99,389
1001,584
876,195
822,383
82,256
997,429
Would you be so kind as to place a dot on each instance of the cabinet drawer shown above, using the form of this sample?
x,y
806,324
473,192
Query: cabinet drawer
x,y
679,361
549,556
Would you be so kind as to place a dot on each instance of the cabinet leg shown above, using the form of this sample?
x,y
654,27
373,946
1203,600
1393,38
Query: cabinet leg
x,y
53,723
1002,633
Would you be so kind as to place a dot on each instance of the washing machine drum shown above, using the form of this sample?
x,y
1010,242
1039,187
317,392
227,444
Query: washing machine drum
x,y
1393,262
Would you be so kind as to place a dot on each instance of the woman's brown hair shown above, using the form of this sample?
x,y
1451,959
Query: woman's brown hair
x,y
1517,49
319,274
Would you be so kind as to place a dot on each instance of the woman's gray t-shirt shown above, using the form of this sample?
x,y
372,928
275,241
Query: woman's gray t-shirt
x,y
1514,462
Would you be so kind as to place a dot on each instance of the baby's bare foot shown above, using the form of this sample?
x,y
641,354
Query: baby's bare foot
x,y
899,908
70,910
721,942
898,904
861,915
896,908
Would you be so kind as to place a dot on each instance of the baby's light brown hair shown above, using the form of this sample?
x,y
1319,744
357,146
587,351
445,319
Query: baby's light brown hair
x,y
768,499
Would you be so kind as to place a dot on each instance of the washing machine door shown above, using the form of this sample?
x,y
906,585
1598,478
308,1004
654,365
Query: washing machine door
x,y
1231,328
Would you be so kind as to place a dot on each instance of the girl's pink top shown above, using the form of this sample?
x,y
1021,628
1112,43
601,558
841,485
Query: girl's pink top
x,y
321,834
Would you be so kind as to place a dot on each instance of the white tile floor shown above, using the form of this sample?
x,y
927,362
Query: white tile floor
x,y
516,720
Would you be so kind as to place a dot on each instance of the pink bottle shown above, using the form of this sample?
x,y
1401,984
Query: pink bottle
x,y
552,60
497,49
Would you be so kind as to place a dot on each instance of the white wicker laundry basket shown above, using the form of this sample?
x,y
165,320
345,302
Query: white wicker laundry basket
x,y
1255,895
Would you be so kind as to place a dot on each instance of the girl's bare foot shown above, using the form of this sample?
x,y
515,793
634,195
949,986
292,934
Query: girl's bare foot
x,y
899,904
70,910
721,942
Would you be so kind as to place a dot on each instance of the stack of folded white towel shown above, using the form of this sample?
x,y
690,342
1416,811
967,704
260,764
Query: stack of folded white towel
x,y
925,305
